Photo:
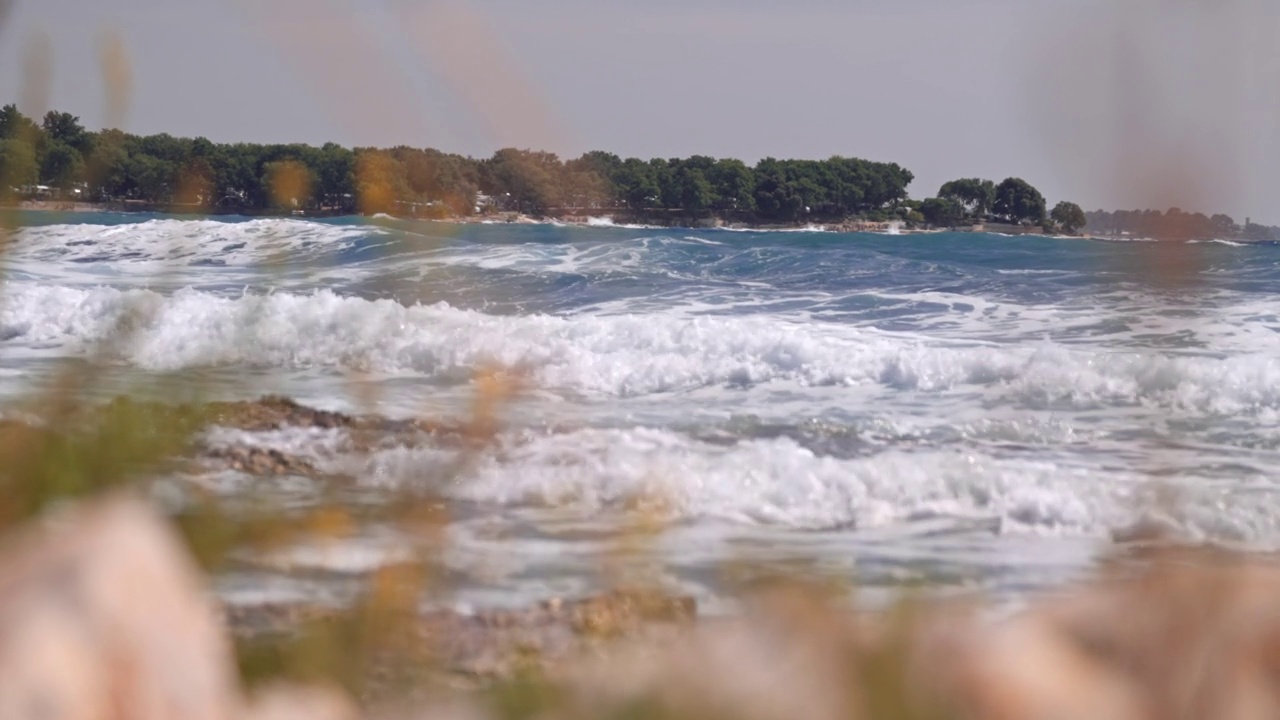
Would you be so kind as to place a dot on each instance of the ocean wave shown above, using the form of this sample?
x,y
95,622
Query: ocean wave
x,y
779,482
144,247
615,355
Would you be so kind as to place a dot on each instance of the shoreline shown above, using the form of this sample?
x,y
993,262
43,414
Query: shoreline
x,y
604,222
506,218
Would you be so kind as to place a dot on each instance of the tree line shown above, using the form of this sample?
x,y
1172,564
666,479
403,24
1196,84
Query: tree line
x,y
163,171
1176,224
1013,201
115,166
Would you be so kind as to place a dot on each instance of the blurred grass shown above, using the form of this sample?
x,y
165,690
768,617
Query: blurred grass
x,y
79,449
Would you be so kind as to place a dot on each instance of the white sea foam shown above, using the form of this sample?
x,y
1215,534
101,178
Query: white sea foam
x,y
346,556
617,355
148,248
608,222
777,482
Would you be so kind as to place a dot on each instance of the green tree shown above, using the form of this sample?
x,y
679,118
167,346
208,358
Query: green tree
x,y
151,178
696,194
1018,202
236,176
604,164
669,190
380,180
66,128
531,178
778,196
106,168
636,184
334,177
588,180
62,165
1069,217
733,185
1224,226
941,212
15,125
975,195
17,165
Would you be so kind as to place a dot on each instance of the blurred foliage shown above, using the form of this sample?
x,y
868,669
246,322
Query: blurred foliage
x,y
60,446
1177,224
77,450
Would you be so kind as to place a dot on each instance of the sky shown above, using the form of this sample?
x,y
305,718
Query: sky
x,y
1109,103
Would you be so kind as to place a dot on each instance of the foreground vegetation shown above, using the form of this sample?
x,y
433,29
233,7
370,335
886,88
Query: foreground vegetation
x,y
103,613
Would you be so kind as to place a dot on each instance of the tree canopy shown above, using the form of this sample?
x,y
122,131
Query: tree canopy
x,y
1177,224
942,211
162,169
1068,217
1017,201
111,165
975,196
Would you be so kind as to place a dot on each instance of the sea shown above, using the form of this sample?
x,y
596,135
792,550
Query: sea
x,y
958,412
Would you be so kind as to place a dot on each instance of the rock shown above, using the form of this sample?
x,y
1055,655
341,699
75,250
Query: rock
x,y
102,615
621,612
274,412
260,461
273,619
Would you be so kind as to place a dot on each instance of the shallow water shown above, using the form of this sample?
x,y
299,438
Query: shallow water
x,y
972,411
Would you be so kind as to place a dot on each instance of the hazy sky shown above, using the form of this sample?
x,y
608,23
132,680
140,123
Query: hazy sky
x,y
1109,103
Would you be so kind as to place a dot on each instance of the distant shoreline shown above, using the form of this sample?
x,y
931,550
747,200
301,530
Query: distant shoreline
x,y
598,221
503,218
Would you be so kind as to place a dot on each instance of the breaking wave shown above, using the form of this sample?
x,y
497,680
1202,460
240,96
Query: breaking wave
x,y
617,355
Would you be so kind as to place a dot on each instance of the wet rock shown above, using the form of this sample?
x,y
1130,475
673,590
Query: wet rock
x,y
274,412
621,612
260,461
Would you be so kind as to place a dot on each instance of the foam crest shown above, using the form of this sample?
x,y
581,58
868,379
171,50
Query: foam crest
x,y
614,355
143,247
778,482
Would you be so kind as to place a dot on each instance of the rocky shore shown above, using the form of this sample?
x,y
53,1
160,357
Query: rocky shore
x,y
104,612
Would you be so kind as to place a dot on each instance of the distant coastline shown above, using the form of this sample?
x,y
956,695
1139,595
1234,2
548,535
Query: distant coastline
x,y
597,221
511,218
57,164
57,160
